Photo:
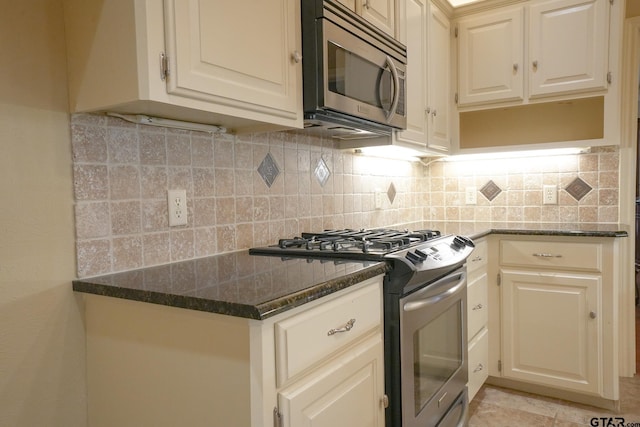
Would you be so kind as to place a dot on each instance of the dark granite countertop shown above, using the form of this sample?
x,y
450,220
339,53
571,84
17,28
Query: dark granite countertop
x,y
257,287
236,284
476,230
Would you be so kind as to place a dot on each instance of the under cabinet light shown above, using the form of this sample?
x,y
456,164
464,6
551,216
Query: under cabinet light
x,y
390,152
518,154
169,123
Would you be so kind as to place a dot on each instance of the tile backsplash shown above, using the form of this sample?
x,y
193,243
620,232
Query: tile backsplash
x,y
122,172
236,200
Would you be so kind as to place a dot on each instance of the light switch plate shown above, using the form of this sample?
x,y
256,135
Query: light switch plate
x,y
471,195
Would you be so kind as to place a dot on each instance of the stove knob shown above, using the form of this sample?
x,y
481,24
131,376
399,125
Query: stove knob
x,y
415,259
461,242
421,254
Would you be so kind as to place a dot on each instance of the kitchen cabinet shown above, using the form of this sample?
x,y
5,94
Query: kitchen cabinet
x,y
156,365
490,57
548,71
558,315
567,51
428,40
226,63
477,318
381,13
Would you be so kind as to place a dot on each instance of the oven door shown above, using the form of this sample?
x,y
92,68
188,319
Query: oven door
x,y
360,79
433,347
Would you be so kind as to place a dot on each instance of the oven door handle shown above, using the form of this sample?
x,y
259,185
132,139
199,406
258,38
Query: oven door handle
x,y
461,279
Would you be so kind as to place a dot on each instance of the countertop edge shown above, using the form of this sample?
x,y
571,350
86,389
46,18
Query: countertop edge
x,y
549,232
257,312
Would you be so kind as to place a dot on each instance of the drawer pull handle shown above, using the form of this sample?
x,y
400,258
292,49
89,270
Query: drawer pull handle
x,y
478,368
543,255
477,307
476,259
346,328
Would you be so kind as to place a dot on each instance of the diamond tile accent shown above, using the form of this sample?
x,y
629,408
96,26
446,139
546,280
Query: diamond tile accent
x,y
490,190
322,172
578,189
268,170
391,193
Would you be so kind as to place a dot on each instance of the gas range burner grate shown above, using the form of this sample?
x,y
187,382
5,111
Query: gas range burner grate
x,y
364,241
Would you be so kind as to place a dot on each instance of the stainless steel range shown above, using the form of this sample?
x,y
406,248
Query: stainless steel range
x,y
425,315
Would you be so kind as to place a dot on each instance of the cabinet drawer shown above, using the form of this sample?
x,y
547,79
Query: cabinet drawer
x,y
309,337
477,303
478,362
556,255
478,258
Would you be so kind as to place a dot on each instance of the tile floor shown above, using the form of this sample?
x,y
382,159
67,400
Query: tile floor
x,y
499,407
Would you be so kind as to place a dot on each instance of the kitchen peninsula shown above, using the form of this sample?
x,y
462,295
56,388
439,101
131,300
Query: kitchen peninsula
x,y
228,319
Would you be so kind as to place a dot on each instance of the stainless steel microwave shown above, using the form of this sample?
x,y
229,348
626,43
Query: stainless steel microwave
x,y
354,75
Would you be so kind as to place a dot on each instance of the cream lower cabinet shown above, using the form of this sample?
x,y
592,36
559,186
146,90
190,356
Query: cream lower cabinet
x,y
228,63
558,314
552,329
477,318
153,365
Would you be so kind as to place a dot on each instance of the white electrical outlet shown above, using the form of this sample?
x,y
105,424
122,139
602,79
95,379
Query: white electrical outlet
x,y
377,195
177,201
549,195
471,195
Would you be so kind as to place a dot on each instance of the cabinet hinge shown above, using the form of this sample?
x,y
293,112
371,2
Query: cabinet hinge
x,y
455,98
609,77
455,32
164,66
499,365
499,279
384,401
611,2
277,417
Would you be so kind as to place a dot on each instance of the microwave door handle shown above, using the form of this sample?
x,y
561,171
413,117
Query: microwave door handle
x,y
396,88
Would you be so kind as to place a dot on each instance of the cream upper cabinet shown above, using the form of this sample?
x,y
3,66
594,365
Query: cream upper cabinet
x,y
491,55
428,40
381,13
533,50
235,64
568,46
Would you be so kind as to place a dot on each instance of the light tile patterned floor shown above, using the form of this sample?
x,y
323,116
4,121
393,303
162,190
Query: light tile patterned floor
x,y
499,407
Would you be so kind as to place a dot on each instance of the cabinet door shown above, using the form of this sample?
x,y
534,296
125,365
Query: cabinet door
x,y
439,80
568,46
490,57
235,52
415,24
381,13
552,329
347,391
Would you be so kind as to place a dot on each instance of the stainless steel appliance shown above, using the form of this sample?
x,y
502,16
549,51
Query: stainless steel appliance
x,y
353,74
425,315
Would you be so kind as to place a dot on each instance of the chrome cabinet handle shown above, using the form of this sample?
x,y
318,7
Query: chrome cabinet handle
x,y
346,328
434,112
544,255
367,4
476,259
479,368
477,307
296,56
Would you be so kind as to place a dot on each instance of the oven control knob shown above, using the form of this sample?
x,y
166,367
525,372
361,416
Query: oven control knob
x,y
415,259
461,242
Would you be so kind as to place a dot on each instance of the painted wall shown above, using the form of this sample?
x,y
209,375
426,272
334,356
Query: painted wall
x,y
42,354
